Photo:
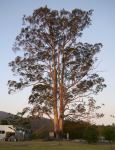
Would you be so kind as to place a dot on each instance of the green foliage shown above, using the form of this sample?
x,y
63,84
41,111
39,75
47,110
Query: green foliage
x,y
75,129
19,122
3,122
109,133
91,134
40,134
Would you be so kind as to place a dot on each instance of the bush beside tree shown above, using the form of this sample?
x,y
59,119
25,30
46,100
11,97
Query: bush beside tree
x,y
75,129
91,134
109,133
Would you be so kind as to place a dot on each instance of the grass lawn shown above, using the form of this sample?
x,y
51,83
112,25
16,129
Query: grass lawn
x,y
37,145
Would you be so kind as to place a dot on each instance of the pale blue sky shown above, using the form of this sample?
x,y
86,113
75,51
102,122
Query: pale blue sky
x,y
102,30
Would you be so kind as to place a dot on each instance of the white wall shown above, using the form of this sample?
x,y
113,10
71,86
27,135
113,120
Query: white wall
x,y
6,128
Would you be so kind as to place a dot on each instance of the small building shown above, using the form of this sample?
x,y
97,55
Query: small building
x,y
6,129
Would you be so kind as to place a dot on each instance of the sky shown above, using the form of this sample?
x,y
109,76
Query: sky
x,y
102,30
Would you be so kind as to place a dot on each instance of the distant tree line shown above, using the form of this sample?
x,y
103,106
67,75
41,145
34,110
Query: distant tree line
x,y
77,130
90,132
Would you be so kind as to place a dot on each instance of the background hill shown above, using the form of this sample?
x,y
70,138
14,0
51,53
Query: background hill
x,y
5,115
35,124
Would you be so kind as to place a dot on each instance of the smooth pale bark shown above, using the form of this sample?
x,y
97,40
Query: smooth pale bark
x,y
61,110
61,117
56,122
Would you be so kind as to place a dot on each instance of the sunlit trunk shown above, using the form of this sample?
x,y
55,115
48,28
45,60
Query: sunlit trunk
x,y
61,112
56,125
56,122
61,95
61,126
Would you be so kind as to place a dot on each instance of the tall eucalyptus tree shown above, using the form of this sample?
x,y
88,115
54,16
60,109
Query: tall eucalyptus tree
x,y
59,68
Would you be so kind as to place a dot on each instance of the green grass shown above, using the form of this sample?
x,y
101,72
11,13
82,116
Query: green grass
x,y
37,145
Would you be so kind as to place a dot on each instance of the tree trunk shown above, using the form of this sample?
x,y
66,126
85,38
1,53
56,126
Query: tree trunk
x,y
61,94
61,117
56,125
56,122
61,126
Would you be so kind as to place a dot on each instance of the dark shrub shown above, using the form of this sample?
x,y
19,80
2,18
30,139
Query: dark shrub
x,y
40,134
109,134
91,134
75,129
